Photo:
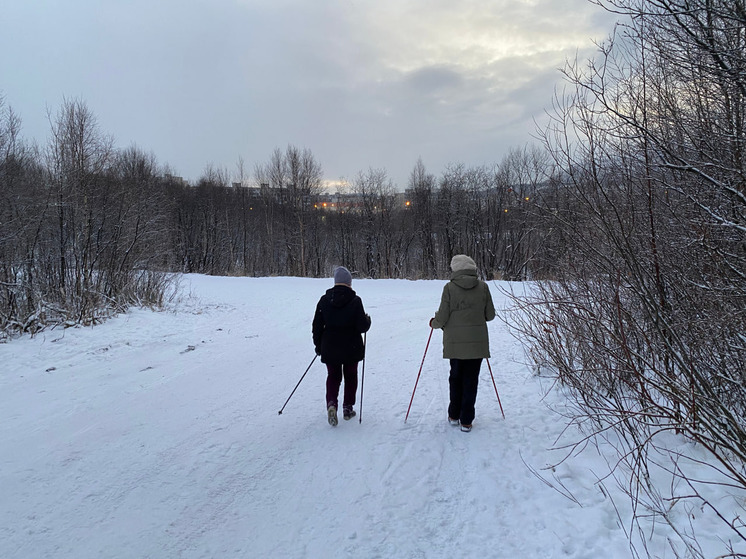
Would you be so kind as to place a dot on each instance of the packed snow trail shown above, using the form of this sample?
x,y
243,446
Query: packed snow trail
x,y
157,435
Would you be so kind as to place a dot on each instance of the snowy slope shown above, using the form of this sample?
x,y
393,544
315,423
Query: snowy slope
x,y
157,435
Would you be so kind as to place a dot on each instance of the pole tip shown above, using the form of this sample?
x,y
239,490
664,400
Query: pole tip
x,y
279,412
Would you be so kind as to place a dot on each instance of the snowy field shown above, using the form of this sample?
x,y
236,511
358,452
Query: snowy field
x,y
156,435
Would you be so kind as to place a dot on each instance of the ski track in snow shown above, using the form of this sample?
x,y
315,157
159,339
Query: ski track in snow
x,y
157,435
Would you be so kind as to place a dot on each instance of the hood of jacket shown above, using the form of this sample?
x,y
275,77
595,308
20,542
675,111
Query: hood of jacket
x,y
340,295
465,279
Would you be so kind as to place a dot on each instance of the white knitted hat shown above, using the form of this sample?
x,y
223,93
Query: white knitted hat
x,y
462,262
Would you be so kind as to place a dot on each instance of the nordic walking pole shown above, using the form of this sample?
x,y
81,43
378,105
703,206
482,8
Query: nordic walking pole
x,y
418,374
297,385
362,380
493,384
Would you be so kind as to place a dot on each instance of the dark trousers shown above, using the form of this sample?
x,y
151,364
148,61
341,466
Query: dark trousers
x,y
463,381
334,376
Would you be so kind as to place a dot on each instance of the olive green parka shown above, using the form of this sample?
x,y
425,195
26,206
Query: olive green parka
x,y
465,308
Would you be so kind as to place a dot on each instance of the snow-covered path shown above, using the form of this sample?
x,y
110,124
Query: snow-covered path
x,y
157,435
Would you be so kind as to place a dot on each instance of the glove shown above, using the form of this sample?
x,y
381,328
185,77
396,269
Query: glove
x,y
318,350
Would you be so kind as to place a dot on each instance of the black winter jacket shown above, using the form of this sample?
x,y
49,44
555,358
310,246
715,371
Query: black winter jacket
x,y
339,321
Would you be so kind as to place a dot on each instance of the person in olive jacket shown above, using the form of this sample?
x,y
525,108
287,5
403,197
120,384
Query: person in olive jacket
x,y
465,308
338,325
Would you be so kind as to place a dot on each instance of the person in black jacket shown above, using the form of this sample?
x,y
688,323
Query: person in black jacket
x,y
338,325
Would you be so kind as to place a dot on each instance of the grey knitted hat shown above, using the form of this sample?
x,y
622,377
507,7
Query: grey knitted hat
x,y
343,275
462,262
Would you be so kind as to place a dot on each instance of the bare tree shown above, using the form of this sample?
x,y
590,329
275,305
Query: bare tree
x,y
422,185
22,214
78,156
378,204
451,204
522,180
290,183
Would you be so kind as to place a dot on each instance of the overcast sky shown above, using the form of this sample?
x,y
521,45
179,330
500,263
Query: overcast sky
x,y
361,83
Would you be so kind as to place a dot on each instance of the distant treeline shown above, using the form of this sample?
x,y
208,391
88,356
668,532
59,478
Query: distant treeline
x,y
86,228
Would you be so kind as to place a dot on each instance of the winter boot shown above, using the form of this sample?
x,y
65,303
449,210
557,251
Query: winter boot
x,y
331,413
348,413
453,422
465,428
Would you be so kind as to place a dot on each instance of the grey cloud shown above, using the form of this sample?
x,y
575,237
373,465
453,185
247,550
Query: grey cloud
x,y
432,79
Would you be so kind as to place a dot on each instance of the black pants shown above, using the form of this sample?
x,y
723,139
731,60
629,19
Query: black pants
x,y
335,373
463,381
